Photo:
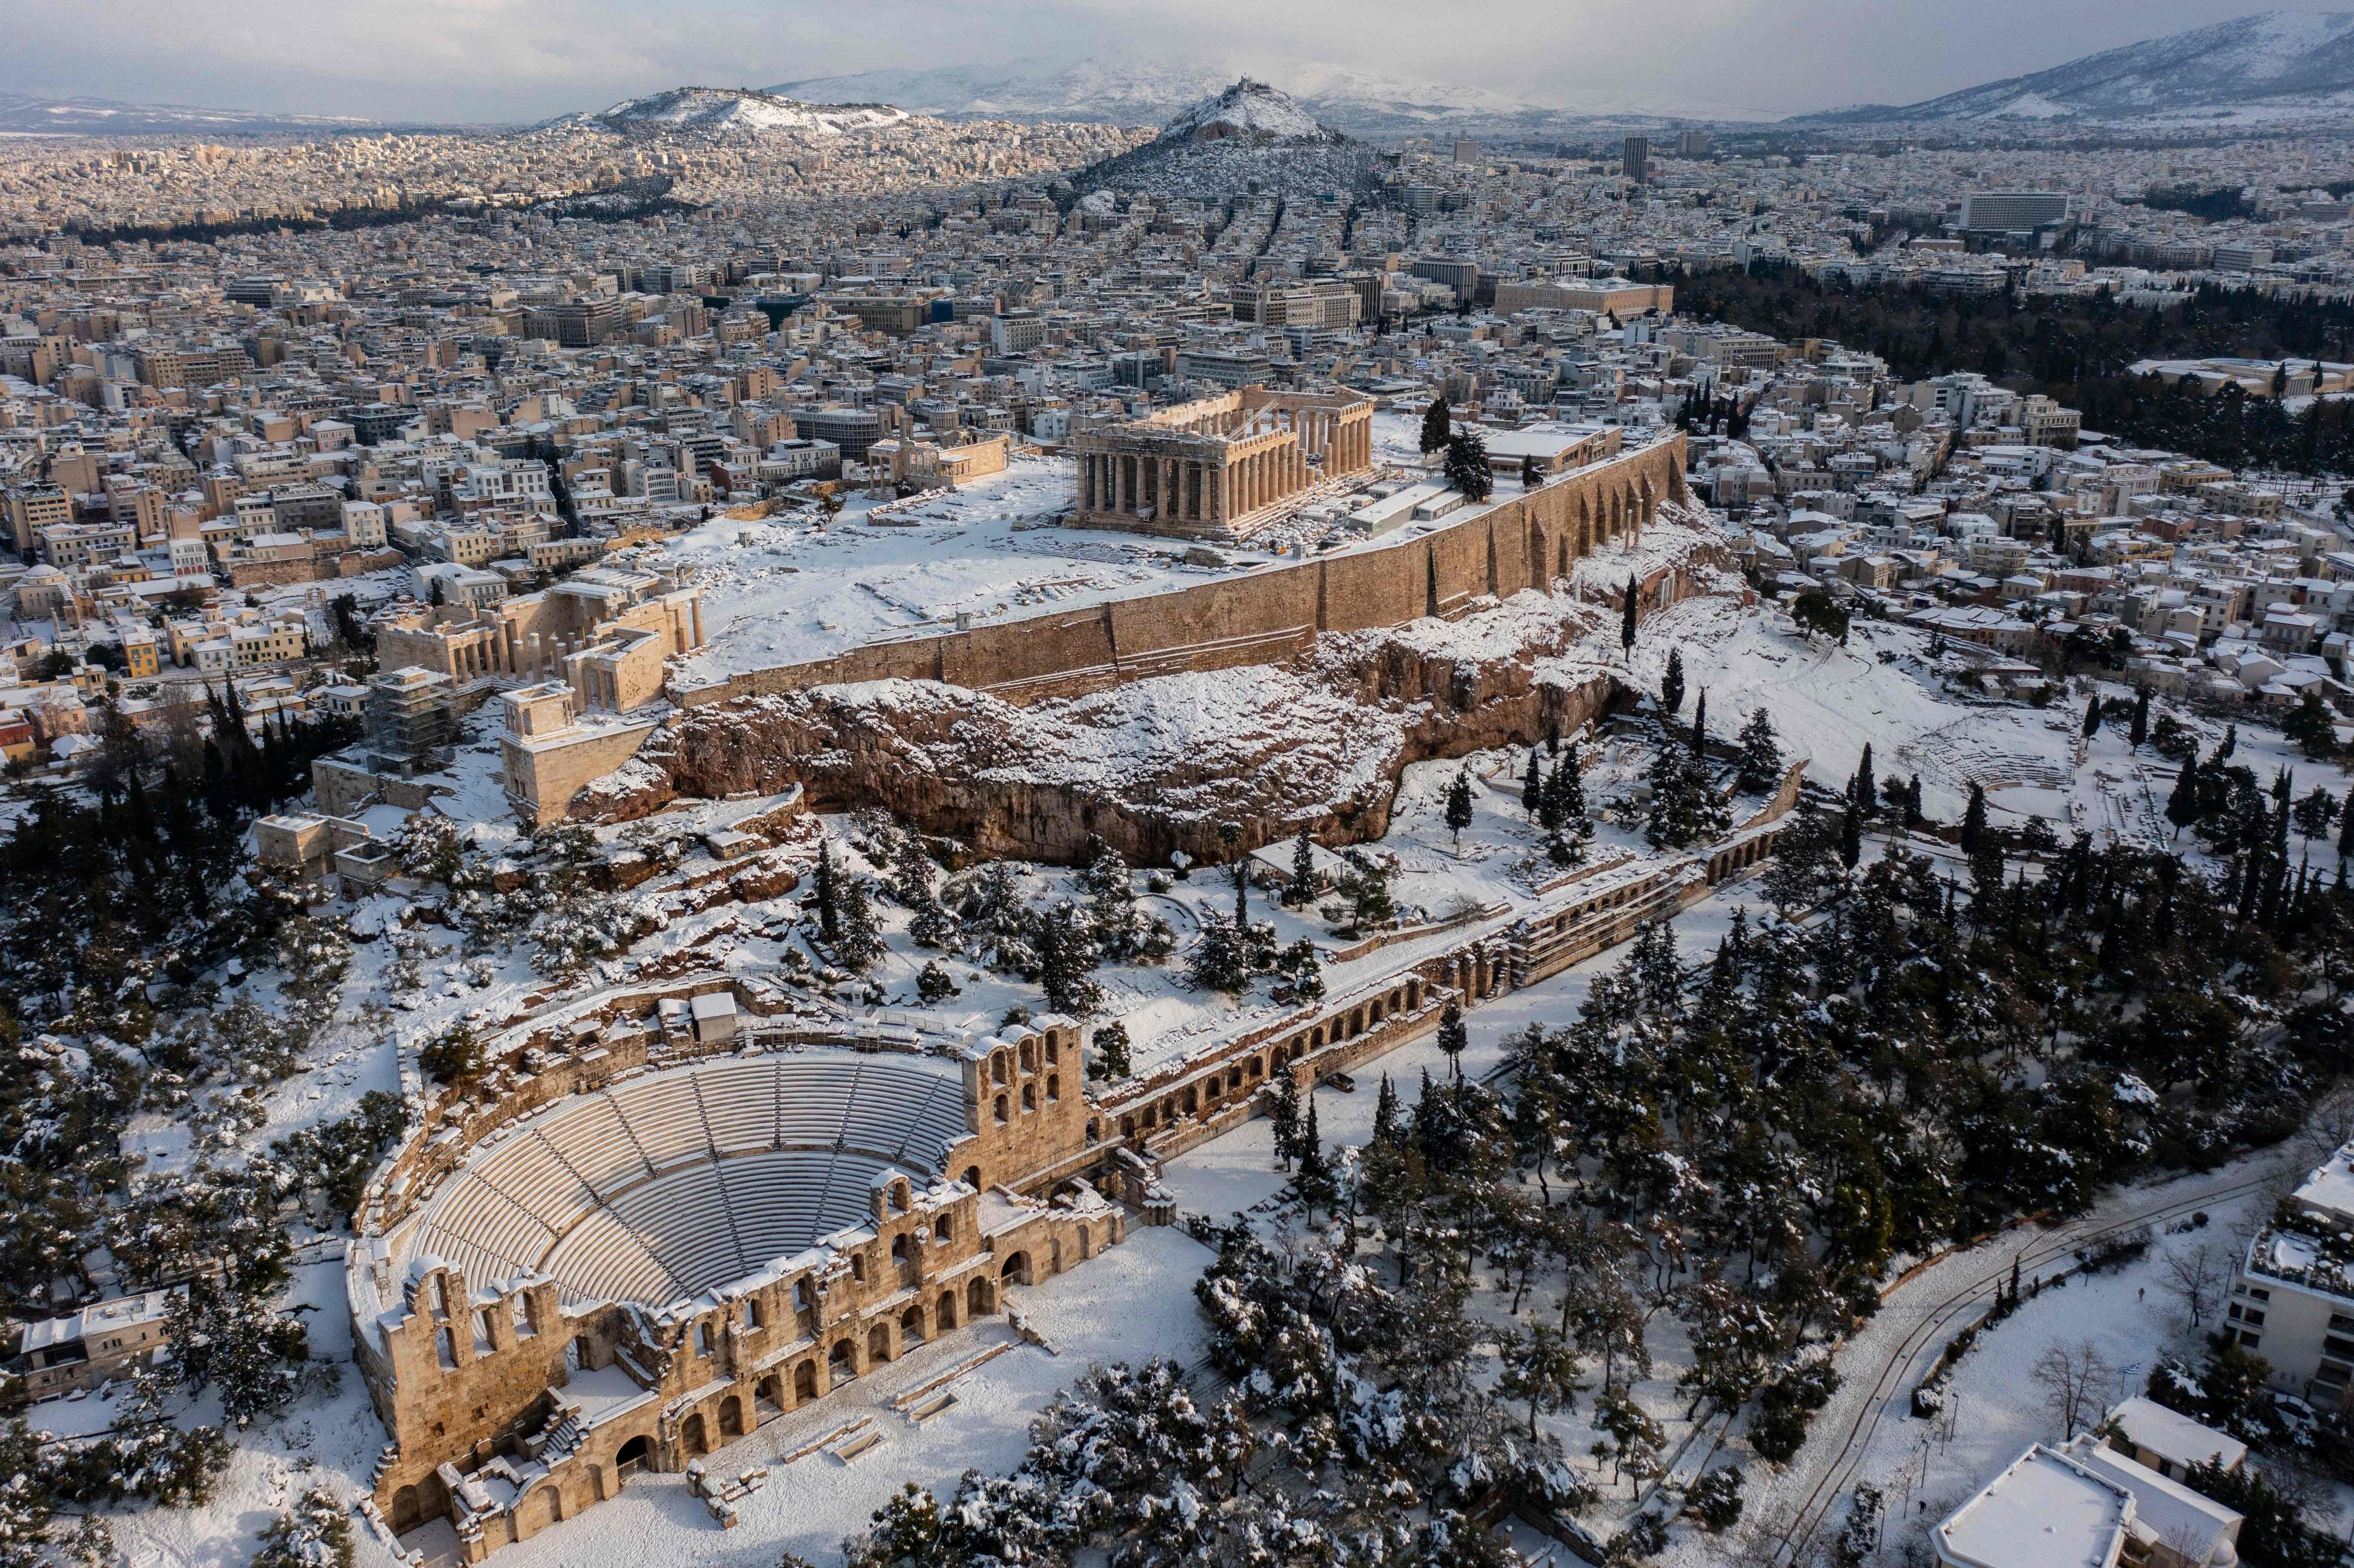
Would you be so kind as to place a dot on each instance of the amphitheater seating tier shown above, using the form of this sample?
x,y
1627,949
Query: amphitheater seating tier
x,y
670,1183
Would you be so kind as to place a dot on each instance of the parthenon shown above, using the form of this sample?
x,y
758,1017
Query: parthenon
x,y
1219,468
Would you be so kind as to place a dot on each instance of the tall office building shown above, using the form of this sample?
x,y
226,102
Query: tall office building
x,y
1638,158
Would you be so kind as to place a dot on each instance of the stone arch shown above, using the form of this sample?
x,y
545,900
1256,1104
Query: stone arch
x,y
691,1436
636,1454
406,1513
770,1393
731,1417
979,1299
879,1344
1017,1269
1085,1249
945,1314
841,1362
911,1326
804,1382
972,1176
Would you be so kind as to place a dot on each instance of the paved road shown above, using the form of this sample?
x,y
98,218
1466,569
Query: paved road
x,y
1882,1365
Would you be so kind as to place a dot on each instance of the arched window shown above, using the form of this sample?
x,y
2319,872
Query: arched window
x,y
944,1228
1054,1088
1000,1111
899,1249
703,1339
1029,1097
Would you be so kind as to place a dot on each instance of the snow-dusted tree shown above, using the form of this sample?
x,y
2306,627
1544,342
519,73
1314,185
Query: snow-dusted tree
x,y
1301,890
1459,806
1672,685
1466,465
1635,1438
315,1531
1540,1370
934,984
1760,764
1454,1037
1438,425
1627,617
858,937
1221,960
829,894
1366,886
1532,785
234,1344
1286,1116
1065,946
1108,1058
913,874
1300,965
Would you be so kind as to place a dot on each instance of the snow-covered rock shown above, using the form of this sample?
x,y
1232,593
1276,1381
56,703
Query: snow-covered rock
x,y
1251,111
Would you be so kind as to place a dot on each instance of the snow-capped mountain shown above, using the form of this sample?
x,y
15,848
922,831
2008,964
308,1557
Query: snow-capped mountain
x,y
730,109
1138,93
104,117
2267,64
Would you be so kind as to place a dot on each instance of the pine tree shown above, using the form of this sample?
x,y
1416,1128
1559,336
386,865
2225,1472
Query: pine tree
x,y
1242,894
1760,762
1301,889
1286,1116
2346,830
1626,620
1672,685
2137,727
1532,786
1458,807
1454,1038
1862,791
829,896
2093,717
1914,816
2231,743
1437,425
1974,819
1466,465
1110,1059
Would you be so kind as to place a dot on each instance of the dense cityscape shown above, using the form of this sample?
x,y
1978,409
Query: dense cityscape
x,y
1086,824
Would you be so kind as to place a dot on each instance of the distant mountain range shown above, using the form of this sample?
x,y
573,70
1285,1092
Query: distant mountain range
x,y
1125,92
23,112
2270,65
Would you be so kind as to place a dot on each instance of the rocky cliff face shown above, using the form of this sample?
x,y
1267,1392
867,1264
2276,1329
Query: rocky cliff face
x,y
1156,766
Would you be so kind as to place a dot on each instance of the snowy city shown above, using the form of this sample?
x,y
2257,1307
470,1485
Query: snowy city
x,y
1131,789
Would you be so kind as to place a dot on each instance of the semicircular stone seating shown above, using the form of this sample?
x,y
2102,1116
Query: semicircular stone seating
x,y
672,1183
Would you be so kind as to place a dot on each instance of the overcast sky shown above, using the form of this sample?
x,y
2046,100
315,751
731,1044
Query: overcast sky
x,y
508,60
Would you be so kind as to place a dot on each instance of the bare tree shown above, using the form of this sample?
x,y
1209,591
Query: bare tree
x,y
2194,1274
2076,1383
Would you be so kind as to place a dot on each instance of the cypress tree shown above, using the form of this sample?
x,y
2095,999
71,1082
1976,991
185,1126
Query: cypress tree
x,y
1458,807
1850,837
1385,1113
1626,620
1699,727
2093,717
2138,728
1974,819
1241,895
1532,786
1761,756
1315,1178
1437,424
2231,743
1302,886
2182,802
1672,685
1454,1038
1286,1116
2346,830
829,896
1914,816
1862,791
